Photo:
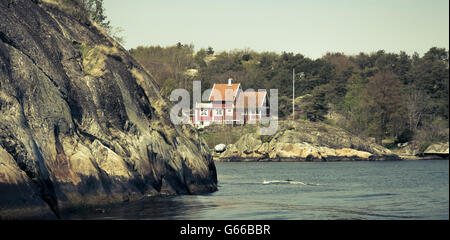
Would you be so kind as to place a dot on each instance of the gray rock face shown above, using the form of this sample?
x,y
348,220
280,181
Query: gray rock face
x,y
81,122
305,141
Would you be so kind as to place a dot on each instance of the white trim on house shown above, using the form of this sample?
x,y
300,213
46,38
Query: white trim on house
x,y
237,91
209,99
254,112
204,105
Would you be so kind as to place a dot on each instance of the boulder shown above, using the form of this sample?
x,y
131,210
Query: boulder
x,y
219,148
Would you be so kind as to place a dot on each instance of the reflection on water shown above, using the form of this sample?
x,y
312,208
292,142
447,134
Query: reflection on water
x,y
148,208
345,190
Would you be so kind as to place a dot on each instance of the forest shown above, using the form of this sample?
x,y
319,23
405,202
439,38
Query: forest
x,y
391,97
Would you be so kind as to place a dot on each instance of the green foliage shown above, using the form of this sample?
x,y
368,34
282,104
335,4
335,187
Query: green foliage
x,y
375,107
316,108
431,74
95,11
199,58
355,86
210,51
383,92
284,107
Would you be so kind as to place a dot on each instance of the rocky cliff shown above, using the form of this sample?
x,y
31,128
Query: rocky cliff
x,y
305,141
81,122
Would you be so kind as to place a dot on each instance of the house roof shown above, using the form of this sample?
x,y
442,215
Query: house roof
x,y
251,99
219,90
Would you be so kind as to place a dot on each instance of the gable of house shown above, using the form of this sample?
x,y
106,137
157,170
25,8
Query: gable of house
x,y
224,92
251,100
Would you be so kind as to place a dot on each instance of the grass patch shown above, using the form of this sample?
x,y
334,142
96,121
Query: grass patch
x,y
226,134
389,143
265,138
94,58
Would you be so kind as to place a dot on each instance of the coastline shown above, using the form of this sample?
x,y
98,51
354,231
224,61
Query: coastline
x,y
347,159
418,158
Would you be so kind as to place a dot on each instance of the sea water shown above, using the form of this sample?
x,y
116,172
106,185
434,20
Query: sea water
x,y
305,190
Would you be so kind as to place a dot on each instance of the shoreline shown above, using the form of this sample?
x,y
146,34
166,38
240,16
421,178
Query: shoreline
x,y
416,158
217,159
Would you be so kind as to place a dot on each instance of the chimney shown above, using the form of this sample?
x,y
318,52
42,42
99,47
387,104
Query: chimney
x,y
229,81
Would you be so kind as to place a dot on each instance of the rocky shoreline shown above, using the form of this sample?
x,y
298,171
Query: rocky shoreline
x,y
218,158
310,158
303,141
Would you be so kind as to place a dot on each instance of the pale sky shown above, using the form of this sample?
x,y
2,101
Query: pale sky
x,y
309,27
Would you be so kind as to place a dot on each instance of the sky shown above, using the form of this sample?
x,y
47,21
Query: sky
x,y
309,27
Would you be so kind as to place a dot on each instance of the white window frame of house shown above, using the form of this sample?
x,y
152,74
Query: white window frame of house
x,y
229,112
204,112
216,112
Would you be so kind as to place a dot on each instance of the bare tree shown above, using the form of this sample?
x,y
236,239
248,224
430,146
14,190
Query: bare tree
x,y
416,105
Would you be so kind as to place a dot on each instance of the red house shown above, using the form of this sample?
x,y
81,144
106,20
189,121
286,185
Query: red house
x,y
228,104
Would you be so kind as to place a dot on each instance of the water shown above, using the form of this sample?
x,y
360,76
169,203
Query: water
x,y
329,190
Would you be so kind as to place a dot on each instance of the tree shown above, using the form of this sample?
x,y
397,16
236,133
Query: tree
x,y
383,98
200,58
284,106
417,105
353,108
210,51
316,108
431,74
96,12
